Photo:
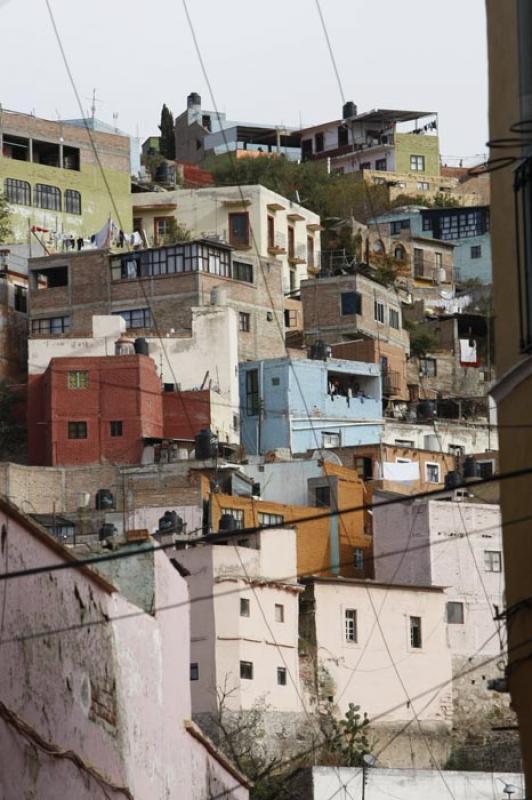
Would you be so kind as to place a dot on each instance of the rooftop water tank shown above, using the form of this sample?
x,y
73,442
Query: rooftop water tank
x,y
141,346
227,523
349,110
104,500
206,445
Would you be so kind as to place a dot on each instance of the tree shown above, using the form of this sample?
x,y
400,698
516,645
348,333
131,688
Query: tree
x,y
167,142
5,224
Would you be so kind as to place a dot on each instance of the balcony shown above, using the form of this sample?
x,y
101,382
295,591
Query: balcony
x,y
277,244
391,382
297,254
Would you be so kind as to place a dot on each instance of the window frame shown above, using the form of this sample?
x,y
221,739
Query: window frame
x,y
394,318
242,271
267,518
245,607
77,430
77,379
279,614
244,322
438,469
237,514
350,619
14,189
73,202
358,557
460,605
475,251
237,240
38,327
282,676
353,299
424,363
246,666
379,312
114,426
43,194
147,321
415,632
194,671
490,562
417,162
252,392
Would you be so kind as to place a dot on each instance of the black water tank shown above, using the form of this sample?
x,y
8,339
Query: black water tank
x,y
320,351
349,110
170,522
194,99
227,523
104,500
471,469
255,490
453,480
106,531
141,346
206,445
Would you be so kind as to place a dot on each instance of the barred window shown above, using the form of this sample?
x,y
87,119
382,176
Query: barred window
x,y
77,430
17,192
270,519
78,379
242,271
136,317
72,202
237,514
47,197
51,325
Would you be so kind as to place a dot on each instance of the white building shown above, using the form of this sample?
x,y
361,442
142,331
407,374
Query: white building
x,y
380,665
244,623
254,220
211,352
456,544
447,436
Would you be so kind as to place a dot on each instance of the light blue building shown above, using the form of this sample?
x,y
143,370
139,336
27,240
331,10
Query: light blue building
x,y
465,227
307,404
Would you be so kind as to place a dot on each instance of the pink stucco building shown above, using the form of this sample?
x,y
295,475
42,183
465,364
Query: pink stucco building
x,y
94,692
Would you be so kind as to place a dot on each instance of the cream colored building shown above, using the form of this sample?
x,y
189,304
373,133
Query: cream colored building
x,y
254,220
244,623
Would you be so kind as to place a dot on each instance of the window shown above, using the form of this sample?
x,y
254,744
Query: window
x,y
318,142
378,247
415,633
457,449
492,560
168,260
279,612
350,625
244,607
418,262
306,149
17,192
358,558
322,495
239,229
194,671
281,676
399,225
364,467
399,253
351,303
343,135
244,321
381,165
291,242
51,325
404,442
417,163
78,379
290,318
77,430
310,251
455,613
162,228
271,232
427,367
394,318
486,468
432,473
365,165
136,317
423,186
72,202
242,271
246,670
237,514
116,427
378,311
252,392
21,299
476,251
47,197
270,519
329,439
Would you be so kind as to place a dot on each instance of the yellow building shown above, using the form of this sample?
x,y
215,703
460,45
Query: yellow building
x,y
52,179
337,545
510,115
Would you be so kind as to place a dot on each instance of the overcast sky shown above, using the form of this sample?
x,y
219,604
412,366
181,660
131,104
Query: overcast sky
x,y
267,62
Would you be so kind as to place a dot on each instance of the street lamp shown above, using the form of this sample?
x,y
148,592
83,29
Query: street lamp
x,y
369,760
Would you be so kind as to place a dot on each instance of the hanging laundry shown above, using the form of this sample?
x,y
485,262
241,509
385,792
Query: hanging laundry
x,y
104,236
468,353
121,238
136,239
80,243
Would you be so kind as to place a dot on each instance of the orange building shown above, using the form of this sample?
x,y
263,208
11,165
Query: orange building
x,y
338,545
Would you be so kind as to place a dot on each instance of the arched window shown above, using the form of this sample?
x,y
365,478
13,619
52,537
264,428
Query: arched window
x,y
378,247
47,197
72,202
17,192
399,252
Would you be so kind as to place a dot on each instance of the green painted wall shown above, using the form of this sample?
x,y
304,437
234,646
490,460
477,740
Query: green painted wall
x,y
96,204
407,144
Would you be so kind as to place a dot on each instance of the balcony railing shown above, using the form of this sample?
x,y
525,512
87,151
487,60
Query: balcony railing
x,y
391,382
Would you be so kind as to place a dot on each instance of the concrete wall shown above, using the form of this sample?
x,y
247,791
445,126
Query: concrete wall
x,y
473,437
410,784
113,153
205,213
448,541
352,666
84,682
284,482
297,408
221,637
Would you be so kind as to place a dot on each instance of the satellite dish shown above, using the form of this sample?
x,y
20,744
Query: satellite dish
x,y
326,455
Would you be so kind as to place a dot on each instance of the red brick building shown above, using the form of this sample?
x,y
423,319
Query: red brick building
x,y
97,410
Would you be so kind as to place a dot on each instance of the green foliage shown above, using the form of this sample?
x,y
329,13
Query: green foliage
x,y
5,225
167,141
422,340
440,200
177,233
333,197
12,435
348,740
